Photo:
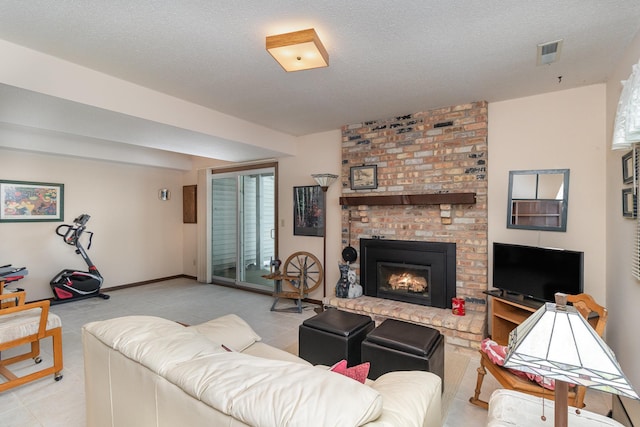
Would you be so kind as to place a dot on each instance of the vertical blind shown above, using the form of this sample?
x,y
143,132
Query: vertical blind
x,y
635,262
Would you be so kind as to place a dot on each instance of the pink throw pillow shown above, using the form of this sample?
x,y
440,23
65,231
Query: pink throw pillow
x,y
497,354
358,372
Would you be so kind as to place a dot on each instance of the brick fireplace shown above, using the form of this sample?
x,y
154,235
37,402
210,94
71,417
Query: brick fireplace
x,y
427,159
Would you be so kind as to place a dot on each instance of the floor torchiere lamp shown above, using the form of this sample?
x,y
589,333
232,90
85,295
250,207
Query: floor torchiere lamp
x,y
324,180
556,342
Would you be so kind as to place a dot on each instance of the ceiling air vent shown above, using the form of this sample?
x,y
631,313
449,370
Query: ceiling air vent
x,y
549,52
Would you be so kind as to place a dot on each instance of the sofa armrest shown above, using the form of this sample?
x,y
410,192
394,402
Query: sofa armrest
x,y
410,398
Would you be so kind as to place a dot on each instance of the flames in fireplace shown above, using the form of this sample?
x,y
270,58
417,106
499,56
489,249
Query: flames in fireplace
x,y
408,282
401,277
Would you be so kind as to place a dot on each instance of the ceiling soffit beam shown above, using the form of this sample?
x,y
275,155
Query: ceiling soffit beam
x,y
32,70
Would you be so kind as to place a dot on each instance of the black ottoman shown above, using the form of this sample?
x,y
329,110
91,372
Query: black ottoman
x,y
333,335
401,346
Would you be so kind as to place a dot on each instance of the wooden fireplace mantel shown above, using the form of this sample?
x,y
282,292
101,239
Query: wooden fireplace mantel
x,y
411,199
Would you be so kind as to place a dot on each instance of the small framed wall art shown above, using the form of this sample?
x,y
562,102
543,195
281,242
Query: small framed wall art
x,y
629,203
628,167
22,201
364,177
189,204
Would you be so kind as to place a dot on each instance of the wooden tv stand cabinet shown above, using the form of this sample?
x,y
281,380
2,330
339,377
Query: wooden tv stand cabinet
x,y
507,313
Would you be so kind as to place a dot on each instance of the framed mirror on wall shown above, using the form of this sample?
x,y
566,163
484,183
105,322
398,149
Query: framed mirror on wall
x,y
538,199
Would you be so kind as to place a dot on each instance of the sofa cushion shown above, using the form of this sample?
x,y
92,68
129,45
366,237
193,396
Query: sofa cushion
x,y
25,323
230,330
156,343
261,349
261,391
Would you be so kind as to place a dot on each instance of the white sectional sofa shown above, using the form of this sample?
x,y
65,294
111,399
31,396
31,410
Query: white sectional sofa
x,y
147,371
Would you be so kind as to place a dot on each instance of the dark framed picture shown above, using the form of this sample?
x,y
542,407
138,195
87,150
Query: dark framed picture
x,y
629,203
22,201
364,177
628,167
308,211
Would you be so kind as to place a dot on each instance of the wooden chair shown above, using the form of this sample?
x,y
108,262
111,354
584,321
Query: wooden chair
x,y
586,305
28,324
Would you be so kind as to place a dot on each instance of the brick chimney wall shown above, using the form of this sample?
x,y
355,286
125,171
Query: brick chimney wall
x,y
437,151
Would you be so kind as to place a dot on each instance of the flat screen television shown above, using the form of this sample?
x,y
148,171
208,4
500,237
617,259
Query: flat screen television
x,y
535,272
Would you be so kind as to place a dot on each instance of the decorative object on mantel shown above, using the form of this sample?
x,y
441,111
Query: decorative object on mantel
x,y
626,128
297,51
556,342
411,199
324,180
364,177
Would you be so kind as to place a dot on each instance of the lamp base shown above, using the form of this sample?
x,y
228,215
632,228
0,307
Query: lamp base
x,y
561,407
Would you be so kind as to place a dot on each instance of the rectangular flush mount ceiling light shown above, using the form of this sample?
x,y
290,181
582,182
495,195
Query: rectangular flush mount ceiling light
x,y
300,50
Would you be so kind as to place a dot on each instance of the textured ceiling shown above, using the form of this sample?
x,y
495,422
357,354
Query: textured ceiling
x,y
386,58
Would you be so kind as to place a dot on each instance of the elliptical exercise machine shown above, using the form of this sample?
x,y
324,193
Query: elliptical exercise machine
x,y
73,284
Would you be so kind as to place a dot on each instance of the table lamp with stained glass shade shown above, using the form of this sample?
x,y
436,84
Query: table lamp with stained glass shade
x,y
557,342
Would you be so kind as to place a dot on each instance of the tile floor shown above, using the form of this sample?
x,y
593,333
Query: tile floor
x,y
48,403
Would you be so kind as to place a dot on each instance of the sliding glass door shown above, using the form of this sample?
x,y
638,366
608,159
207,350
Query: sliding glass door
x,y
243,226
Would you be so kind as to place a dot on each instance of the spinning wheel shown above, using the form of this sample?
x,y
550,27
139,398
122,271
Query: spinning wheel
x,y
302,274
307,267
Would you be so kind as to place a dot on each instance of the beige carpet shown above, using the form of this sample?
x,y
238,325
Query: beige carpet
x,y
455,365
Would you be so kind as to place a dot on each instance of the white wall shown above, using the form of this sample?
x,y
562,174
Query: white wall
x,y
317,153
559,130
137,236
623,291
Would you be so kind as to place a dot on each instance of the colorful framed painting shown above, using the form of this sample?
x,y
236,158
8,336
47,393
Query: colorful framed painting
x,y
22,201
308,208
